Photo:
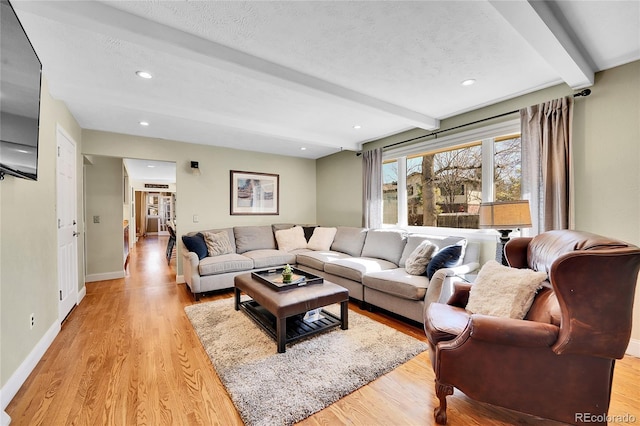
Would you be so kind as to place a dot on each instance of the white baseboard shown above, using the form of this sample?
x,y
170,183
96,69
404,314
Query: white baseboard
x,y
6,420
17,379
180,279
81,294
634,348
104,276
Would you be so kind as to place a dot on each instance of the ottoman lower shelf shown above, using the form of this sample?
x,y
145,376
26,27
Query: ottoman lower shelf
x,y
297,328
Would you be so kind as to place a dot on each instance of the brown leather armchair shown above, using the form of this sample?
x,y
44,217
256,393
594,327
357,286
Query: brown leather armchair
x,y
558,362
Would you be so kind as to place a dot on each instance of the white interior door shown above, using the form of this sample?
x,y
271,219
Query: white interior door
x,y
67,224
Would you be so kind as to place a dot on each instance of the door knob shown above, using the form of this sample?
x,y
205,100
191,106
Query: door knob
x,y
75,234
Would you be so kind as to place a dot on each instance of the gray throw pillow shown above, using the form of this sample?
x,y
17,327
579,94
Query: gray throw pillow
x,y
419,258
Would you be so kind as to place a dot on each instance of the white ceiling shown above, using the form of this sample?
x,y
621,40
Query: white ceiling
x,y
278,76
150,171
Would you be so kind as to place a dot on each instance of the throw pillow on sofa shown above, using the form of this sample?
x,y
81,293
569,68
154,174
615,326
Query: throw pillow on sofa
x,y
218,243
448,257
291,239
417,262
322,238
196,244
503,291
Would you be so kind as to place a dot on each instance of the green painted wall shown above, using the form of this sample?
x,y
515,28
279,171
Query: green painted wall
x,y
207,195
103,197
28,244
340,189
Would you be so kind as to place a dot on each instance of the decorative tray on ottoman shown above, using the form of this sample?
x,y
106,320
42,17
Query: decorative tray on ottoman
x,y
273,278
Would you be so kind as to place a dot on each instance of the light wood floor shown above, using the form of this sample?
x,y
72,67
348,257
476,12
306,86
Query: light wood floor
x,y
127,355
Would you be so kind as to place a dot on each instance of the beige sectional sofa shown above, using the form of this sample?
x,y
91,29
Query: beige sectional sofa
x,y
370,263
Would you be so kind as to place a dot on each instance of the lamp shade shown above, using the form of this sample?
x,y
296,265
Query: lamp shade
x,y
505,215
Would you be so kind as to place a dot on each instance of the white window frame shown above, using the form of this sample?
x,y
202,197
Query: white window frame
x,y
486,135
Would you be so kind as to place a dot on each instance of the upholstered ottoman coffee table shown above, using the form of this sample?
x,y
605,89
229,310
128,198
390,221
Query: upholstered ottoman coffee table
x,y
279,313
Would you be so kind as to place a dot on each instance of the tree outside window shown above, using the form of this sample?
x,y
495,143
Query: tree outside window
x,y
444,188
507,176
390,192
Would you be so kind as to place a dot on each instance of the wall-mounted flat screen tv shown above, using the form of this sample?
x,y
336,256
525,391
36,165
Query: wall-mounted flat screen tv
x,y
20,72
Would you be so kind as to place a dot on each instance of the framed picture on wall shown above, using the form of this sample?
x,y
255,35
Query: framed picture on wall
x,y
255,193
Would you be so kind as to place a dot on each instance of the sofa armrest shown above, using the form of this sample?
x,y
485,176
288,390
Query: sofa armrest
x,y
191,273
461,269
437,281
460,294
512,332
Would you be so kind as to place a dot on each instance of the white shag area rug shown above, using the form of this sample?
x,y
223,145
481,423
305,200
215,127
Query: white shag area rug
x,y
269,388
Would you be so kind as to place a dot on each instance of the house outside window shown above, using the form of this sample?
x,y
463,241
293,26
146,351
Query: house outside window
x,y
442,184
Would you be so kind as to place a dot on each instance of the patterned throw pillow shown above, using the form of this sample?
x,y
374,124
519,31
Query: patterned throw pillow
x,y
218,243
417,261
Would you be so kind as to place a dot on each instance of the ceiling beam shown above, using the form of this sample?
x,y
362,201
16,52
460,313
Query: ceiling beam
x,y
96,16
542,29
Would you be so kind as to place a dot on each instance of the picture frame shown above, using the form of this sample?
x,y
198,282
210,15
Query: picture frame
x,y
254,193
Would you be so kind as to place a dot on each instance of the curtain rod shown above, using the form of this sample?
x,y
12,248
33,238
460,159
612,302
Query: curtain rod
x,y
585,92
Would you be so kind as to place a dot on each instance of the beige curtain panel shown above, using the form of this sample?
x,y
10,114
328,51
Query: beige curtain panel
x,y
546,163
372,188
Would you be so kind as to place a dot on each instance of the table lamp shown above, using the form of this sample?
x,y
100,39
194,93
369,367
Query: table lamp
x,y
505,216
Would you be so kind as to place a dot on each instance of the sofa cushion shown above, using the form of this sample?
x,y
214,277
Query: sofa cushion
x,y
398,282
354,268
196,244
317,259
229,231
308,231
449,241
321,239
385,244
413,241
254,238
270,257
503,291
218,243
447,257
349,240
417,262
224,263
278,226
291,239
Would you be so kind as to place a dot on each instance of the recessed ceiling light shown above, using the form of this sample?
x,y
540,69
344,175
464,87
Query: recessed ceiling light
x,y
303,149
151,166
143,74
357,126
144,123
468,82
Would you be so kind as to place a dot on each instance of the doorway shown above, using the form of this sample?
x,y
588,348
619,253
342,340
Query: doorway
x,y
153,199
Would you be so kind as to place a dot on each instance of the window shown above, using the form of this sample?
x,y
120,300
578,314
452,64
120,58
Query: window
x,y
444,186
507,162
390,192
